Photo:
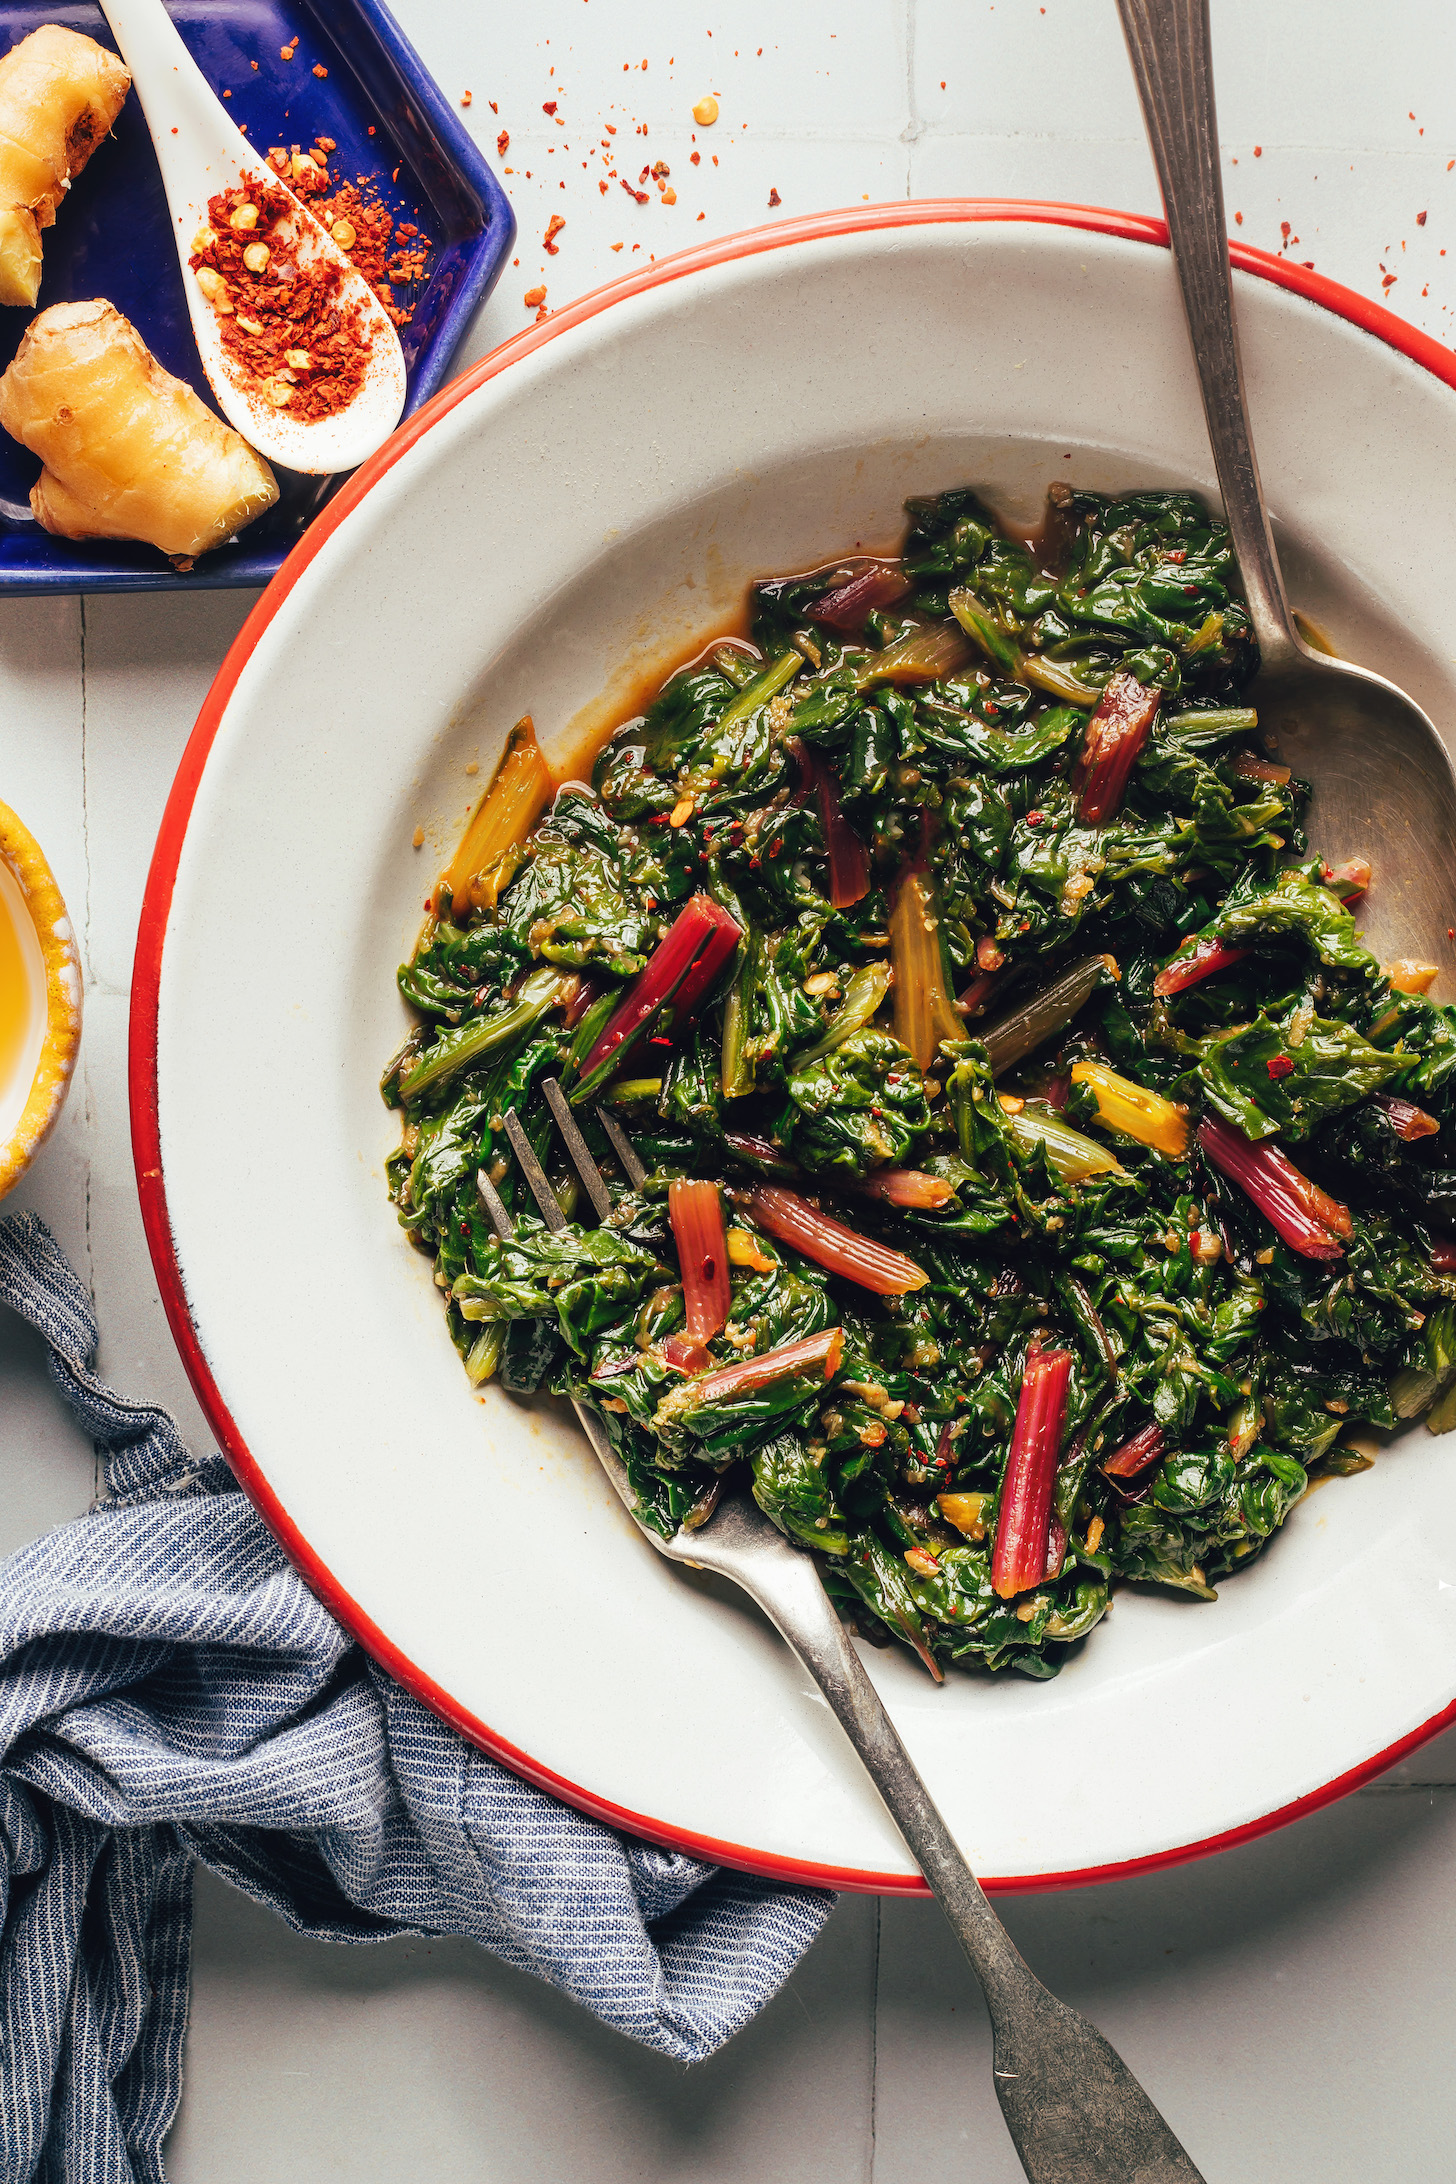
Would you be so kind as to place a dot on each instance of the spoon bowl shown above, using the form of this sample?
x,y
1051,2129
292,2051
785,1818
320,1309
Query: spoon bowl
x,y
1383,788
1383,781
200,153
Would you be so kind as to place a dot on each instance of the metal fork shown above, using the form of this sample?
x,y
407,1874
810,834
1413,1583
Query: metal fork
x,y
1075,2112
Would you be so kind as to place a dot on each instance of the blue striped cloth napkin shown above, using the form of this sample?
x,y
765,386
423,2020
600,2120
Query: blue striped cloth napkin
x,y
170,1691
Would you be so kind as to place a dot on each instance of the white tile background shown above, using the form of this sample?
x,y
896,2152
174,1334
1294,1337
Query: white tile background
x,y
1290,2004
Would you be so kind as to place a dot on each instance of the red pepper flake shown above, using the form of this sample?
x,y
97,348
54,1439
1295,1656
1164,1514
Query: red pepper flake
x,y
503,143
365,231
774,199
467,98
319,70
1258,151
548,106
640,195
1420,219
286,53
288,330
553,228
533,297
1279,1065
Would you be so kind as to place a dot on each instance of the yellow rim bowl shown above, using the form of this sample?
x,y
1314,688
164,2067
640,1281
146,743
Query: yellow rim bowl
x,y
42,961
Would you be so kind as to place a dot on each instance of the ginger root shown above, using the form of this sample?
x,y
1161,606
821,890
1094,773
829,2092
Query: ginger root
x,y
130,452
60,92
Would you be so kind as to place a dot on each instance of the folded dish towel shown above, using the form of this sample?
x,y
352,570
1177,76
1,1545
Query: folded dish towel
x,y
171,1691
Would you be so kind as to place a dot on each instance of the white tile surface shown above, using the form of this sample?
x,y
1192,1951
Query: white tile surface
x,y
1291,2002
1287,2005
414,2059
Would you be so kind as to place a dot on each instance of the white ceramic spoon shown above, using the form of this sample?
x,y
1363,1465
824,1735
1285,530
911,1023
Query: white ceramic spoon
x,y
201,152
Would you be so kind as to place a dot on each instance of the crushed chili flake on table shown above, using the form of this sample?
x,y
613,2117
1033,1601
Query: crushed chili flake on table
x,y
283,322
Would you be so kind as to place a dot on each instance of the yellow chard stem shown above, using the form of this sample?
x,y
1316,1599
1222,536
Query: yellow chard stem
x,y
1135,1112
505,815
924,1012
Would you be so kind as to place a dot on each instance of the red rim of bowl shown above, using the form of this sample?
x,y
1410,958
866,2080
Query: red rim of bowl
x,y
146,982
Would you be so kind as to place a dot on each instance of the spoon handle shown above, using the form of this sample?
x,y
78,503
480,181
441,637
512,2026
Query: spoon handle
x,y
1172,63
1075,2112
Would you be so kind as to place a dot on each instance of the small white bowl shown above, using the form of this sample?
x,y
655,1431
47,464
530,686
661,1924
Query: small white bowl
x,y
552,527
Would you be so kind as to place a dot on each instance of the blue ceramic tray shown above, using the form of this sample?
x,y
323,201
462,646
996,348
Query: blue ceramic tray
x,y
113,238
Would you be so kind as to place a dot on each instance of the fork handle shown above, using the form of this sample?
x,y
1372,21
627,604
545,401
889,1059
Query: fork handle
x,y
1171,51
1076,2113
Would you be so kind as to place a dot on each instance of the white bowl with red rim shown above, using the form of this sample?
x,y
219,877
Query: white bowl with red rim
x,y
565,518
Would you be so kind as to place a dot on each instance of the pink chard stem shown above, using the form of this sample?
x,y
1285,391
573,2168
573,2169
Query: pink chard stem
x,y
819,1353
702,922
1116,734
1019,1558
1199,961
1300,1213
792,1220
696,1213
1135,1455
849,605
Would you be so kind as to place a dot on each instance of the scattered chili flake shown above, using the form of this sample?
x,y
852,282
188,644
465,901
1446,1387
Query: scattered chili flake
x,y
774,199
533,297
319,70
1420,219
503,143
467,98
553,228
548,106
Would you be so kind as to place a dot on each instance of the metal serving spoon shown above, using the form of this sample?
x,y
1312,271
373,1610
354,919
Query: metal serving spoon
x,y
1383,779
1076,2113
201,152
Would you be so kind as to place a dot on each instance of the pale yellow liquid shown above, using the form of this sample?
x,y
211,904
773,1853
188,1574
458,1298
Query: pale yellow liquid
x,y
22,1001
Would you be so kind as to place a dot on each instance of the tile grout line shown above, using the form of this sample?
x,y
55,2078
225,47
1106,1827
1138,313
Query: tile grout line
x,y
914,127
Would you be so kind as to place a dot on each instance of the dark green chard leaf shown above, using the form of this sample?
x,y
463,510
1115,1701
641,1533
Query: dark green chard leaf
x,y
860,1106
1292,1075
585,1277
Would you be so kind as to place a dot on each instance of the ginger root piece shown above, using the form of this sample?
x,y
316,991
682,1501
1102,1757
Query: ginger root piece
x,y
130,452
60,92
